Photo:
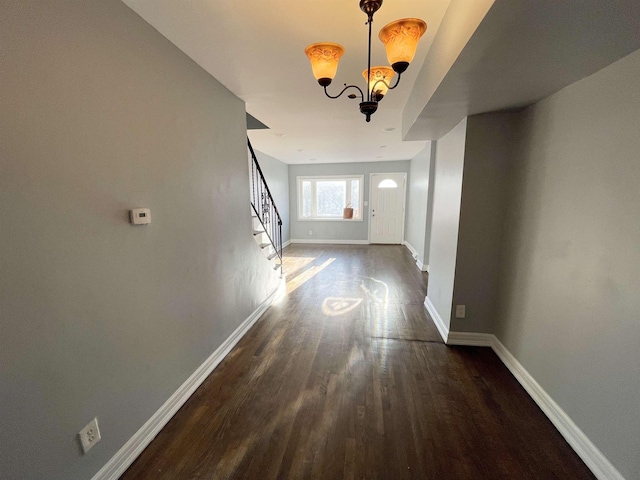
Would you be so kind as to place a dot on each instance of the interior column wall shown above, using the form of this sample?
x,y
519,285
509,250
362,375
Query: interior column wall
x,y
488,153
449,166
431,188
417,196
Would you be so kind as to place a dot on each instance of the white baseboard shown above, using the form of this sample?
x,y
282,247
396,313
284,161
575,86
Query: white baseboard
x,y
414,254
286,244
413,251
588,452
136,444
331,242
599,465
437,319
422,266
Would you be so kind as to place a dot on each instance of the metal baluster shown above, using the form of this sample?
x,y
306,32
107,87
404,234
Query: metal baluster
x,y
264,206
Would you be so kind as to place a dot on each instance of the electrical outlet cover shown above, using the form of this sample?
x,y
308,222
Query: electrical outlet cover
x,y
89,435
461,311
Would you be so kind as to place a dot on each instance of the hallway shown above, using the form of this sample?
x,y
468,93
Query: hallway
x,y
347,377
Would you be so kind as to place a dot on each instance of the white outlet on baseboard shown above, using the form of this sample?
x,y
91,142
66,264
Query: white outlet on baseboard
x,y
310,232
89,435
461,311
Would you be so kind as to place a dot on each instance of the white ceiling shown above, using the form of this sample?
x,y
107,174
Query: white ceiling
x,y
477,56
256,49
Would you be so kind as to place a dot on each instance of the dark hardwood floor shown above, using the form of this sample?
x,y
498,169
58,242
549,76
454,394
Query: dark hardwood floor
x,y
347,377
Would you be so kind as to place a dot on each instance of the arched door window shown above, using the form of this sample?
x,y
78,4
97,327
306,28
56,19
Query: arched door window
x,y
387,183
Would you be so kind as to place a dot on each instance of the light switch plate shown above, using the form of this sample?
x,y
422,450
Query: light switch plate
x,y
461,311
140,216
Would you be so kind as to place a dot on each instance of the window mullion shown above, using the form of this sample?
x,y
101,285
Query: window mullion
x,y
314,199
300,199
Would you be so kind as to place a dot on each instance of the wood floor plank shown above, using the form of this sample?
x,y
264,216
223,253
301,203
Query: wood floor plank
x,y
347,378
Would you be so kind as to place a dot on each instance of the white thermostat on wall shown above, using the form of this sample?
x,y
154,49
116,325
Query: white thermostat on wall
x,y
140,216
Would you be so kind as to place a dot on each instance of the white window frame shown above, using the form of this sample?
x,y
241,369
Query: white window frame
x,y
314,208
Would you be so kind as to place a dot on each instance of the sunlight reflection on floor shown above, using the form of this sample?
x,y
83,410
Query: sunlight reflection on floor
x,y
336,306
378,293
293,264
306,275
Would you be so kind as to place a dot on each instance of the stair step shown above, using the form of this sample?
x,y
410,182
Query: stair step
x,y
272,256
265,245
276,266
258,232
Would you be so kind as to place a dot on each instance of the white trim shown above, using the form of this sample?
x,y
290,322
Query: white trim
x,y
286,244
413,251
136,444
332,242
404,201
331,219
583,446
422,266
437,319
470,339
599,465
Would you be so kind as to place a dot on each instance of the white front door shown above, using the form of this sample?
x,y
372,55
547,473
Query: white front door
x,y
386,212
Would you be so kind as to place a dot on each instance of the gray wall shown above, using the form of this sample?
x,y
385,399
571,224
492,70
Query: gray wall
x,y
487,156
338,230
276,173
430,194
570,302
417,195
100,113
449,164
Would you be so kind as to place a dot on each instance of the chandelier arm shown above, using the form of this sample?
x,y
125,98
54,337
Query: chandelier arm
x,y
388,86
330,53
346,87
397,81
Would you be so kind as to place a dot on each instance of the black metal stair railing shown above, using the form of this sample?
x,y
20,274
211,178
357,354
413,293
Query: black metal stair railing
x,y
264,207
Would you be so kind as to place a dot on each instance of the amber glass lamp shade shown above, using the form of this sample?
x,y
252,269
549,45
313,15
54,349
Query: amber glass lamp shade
x,y
377,88
400,38
324,60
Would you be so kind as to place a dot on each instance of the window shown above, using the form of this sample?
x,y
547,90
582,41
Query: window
x,y
324,198
388,183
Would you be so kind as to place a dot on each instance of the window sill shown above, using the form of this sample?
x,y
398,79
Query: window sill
x,y
330,219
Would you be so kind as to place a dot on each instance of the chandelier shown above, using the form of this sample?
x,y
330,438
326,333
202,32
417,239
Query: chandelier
x,y
400,39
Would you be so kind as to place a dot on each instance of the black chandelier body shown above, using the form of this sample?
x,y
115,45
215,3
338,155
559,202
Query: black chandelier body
x,y
400,39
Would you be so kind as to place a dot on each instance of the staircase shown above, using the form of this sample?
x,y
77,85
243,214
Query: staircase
x,y
267,223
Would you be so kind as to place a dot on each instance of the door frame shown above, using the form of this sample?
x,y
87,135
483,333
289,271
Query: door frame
x,y
404,202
